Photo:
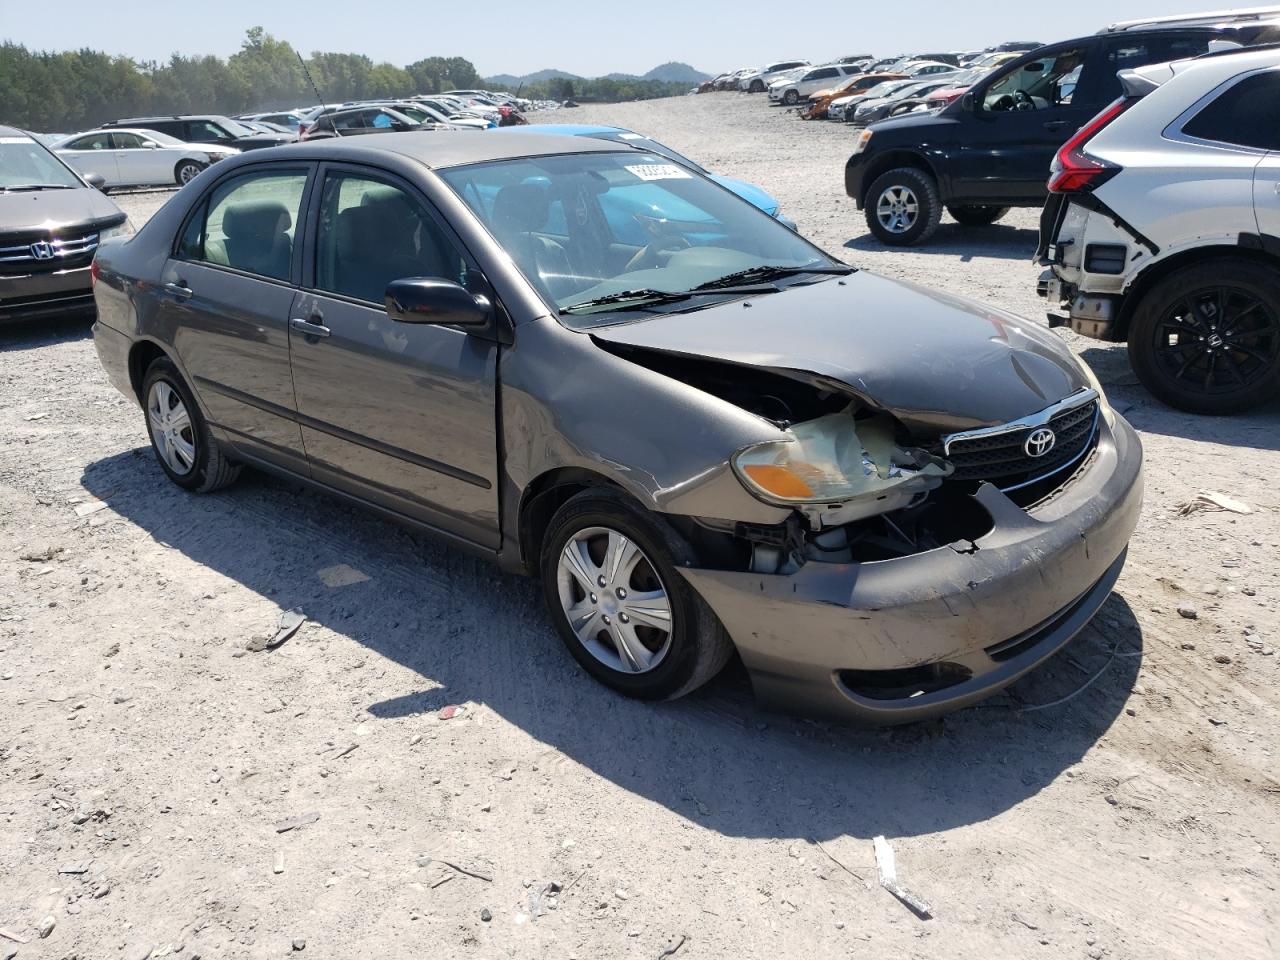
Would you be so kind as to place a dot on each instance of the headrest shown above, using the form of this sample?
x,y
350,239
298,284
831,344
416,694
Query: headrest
x,y
361,230
521,206
258,219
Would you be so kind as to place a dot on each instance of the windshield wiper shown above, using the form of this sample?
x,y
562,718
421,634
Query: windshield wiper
x,y
650,297
35,186
765,272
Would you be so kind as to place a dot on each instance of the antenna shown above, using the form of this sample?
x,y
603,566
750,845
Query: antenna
x,y
320,101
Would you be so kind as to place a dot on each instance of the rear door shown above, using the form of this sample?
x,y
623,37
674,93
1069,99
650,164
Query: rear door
x,y
402,415
94,153
228,290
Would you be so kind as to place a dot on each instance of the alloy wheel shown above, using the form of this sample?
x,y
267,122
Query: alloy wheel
x,y
1217,340
897,209
171,428
188,172
614,600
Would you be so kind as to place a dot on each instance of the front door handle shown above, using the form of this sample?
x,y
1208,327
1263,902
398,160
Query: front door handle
x,y
309,328
178,290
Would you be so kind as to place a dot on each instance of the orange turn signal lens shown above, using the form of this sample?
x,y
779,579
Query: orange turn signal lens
x,y
778,481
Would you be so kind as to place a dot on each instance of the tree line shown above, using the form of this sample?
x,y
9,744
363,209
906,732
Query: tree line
x,y
76,89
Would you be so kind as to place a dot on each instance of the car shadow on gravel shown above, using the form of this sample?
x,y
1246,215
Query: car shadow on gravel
x,y
474,634
964,243
1257,429
36,334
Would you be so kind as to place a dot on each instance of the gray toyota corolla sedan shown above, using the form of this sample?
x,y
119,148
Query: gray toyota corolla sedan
x,y
702,433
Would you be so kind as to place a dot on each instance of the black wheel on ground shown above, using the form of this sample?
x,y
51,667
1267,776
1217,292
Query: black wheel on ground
x,y
1207,339
791,98
902,207
186,171
180,437
627,616
977,215
757,86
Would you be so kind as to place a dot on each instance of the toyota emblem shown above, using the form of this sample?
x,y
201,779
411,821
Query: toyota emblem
x,y
1040,442
42,250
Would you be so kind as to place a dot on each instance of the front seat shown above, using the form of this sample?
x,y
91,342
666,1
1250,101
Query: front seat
x,y
257,240
375,245
519,211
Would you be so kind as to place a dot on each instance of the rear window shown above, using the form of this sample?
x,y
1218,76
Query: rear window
x,y
1245,115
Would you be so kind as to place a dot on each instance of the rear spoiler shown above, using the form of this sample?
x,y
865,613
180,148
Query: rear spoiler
x,y
1135,84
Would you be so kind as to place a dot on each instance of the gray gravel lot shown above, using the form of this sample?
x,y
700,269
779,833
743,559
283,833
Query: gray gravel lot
x,y
148,760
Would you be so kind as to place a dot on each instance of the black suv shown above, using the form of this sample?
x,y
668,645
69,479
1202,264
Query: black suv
x,y
991,149
206,128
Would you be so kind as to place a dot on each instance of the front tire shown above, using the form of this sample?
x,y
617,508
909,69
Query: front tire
x,y
186,171
977,215
757,86
1207,339
621,607
902,207
791,98
180,438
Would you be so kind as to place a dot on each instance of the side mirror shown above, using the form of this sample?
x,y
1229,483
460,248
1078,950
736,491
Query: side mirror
x,y
150,145
95,180
435,301
969,103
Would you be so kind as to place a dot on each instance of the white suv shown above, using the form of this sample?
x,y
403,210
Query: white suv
x,y
757,81
792,89
1162,228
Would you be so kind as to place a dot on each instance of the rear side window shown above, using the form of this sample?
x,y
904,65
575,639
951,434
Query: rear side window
x,y
1127,53
95,141
1245,115
248,223
202,131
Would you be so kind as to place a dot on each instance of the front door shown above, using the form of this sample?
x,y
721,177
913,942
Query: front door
x,y
93,153
138,164
228,291
1019,122
402,415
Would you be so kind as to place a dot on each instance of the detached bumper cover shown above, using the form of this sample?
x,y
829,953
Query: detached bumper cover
x,y
978,618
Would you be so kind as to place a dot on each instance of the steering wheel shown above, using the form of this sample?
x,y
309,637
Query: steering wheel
x,y
663,242
1022,101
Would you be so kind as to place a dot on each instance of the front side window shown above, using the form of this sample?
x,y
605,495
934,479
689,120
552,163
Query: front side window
x,y
127,141
585,226
1041,84
371,233
249,223
1245,115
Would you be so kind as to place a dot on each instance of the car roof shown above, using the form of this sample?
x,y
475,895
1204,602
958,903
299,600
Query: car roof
x,y
567,129
438,150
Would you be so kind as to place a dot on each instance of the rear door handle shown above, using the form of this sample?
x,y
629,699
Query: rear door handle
x,y
1055,125
178,290
308,328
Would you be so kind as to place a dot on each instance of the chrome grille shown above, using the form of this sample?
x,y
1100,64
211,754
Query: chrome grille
x,y
45,252
999,455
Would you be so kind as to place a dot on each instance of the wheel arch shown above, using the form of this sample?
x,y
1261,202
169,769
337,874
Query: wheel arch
x,y
142,354
540,500
1145,281
891,160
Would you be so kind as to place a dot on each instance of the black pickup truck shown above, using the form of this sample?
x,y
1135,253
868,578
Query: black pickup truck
x,y
991,149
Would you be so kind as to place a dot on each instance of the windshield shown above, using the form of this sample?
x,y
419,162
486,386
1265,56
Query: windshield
x,y
26,163
234,127
582,227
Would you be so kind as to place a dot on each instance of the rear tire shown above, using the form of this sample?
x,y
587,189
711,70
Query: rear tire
x,y
180,438
903,208
977,215
757,86
186,171
671,662
1207,338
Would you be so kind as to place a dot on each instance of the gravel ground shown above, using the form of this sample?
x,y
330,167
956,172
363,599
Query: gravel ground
x,y
150,762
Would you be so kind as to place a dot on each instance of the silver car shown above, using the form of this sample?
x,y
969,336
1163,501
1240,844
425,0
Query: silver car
x,y
596,366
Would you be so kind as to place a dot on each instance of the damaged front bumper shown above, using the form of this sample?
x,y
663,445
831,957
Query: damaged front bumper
x,y
905,639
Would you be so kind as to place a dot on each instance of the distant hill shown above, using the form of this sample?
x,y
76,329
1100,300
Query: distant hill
x,y
670,72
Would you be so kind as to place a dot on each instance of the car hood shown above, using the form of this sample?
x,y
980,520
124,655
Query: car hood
x,y
51,209
937,362
750,193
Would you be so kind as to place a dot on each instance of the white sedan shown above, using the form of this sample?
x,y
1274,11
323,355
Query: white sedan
x,y
127,157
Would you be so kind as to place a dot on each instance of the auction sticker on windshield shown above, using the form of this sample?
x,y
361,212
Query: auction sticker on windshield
x,y
659,171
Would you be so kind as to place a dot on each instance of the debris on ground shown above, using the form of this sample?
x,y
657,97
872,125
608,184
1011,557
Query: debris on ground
x,y
670,951
290,621
41,554
83,510
299,944
1212,500
10,935
450,711
46,927
425,861
341,575
486,915
293,823
1187,611
277,865
542,897
887,866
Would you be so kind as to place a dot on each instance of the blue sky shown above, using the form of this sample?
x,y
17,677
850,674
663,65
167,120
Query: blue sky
x,y
587,38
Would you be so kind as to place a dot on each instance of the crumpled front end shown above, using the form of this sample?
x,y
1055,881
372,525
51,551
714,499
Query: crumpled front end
x,y
873,631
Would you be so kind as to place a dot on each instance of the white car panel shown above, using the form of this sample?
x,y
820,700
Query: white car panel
x,y
1266,195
